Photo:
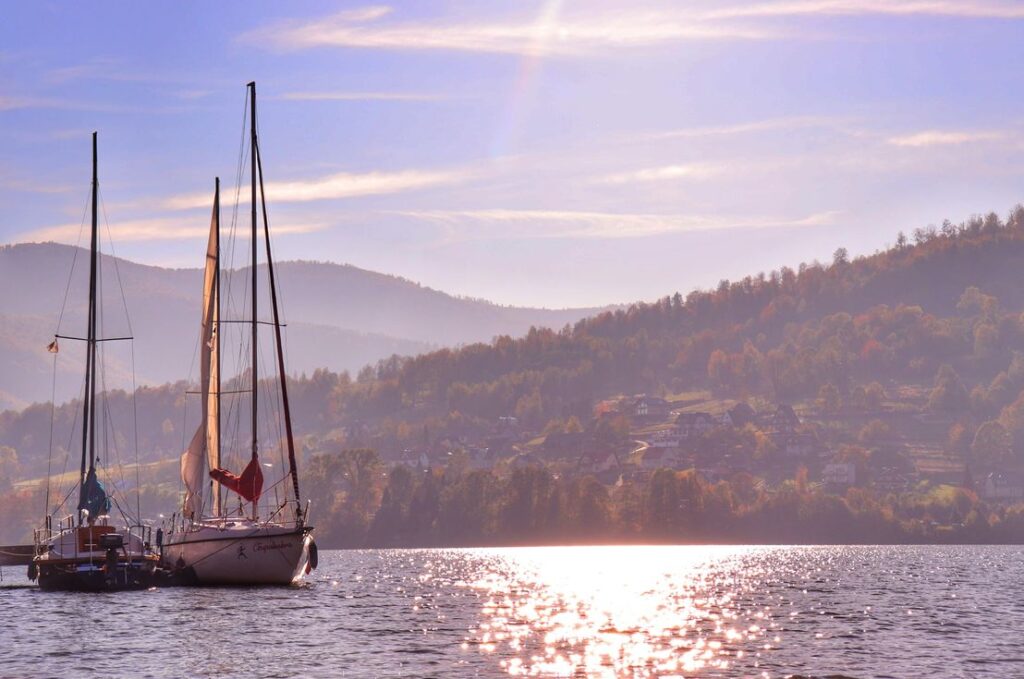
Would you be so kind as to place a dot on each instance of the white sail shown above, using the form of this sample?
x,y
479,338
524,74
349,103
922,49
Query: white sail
x,y
194,463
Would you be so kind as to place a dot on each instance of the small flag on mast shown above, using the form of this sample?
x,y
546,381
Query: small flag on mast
x,y
52,347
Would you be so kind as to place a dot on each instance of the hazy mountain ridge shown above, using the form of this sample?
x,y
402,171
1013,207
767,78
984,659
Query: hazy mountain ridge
x,y
340,316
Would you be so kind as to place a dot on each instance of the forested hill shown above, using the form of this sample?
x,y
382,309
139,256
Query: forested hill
x,y
944,296
340,317
949,295
914,353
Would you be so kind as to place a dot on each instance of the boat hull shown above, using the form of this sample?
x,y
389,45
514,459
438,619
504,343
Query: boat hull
x,y
95,558
241,554
81,575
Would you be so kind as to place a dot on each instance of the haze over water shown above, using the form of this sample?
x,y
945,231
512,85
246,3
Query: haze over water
x,y
565,611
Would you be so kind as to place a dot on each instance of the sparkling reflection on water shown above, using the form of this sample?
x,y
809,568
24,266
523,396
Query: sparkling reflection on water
x,y
572,611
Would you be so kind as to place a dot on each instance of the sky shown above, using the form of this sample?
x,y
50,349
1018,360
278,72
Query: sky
x,y
555,153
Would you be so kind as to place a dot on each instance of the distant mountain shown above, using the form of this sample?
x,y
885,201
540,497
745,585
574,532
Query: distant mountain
x,y
339,317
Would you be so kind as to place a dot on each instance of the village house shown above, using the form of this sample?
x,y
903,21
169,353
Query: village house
x,y
1004,487
784,419
649,408
838,476
792,445
598,463
892,480
692,425
741,414
665,438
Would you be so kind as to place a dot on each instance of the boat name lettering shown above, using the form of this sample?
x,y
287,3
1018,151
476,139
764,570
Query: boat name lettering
x,y
267,547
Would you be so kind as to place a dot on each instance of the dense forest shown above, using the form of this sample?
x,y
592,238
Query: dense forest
x,y
938,315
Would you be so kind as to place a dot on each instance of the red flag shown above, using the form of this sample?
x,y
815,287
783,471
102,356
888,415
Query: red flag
x,y
249,485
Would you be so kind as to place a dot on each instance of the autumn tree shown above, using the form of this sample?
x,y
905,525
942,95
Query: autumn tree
x,y
949,394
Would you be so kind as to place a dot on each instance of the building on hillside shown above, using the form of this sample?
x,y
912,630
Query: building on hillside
x,y
692,425
1004,487
598,462
665,438
794,445
742,414
892,480
649,407
784,419
838,476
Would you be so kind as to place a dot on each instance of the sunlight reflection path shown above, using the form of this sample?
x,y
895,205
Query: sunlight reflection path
x,y
602,612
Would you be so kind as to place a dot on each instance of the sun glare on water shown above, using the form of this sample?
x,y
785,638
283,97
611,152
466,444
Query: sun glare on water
x,y
608,612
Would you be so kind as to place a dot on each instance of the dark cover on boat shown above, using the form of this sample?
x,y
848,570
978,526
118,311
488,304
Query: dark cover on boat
x,y
94,496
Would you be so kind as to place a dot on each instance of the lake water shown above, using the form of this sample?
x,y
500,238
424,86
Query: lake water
x,y
572,611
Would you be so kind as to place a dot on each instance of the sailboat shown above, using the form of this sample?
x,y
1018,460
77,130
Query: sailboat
x,y
216,541
83,551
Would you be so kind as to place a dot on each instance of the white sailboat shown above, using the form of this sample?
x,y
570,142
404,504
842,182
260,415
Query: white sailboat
x,y
255,543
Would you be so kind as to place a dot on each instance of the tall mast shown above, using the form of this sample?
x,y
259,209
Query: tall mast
x,y
216,330
280,350
252,153
89,405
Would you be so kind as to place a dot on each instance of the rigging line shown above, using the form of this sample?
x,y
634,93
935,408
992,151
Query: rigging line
x,y
238,187
74,259
67,453
135,438
109,427
49,455
117,269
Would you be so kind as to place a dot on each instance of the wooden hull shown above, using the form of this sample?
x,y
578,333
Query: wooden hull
x,y
240,553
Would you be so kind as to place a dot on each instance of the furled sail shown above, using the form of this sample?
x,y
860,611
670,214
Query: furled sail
x,y
194,462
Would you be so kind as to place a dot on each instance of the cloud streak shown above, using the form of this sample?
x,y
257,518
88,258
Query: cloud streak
x,y
586,33
160,229
663,173
335,186
359,96
975,9
542,224
929,138
596,29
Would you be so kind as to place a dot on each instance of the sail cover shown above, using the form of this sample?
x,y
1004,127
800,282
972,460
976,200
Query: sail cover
x,y
207,437
94,497
249,485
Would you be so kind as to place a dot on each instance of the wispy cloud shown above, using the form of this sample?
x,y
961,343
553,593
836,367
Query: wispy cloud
x,y
584,33
359,96
601,225
979,9
945,138
27,186
568,33
662,173
753,126
160,229
334,186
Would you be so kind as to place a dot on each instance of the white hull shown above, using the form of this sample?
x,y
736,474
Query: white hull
x,y
240,552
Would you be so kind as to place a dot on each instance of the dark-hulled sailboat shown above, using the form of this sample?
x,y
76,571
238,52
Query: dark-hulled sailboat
x,y
217,541
84,551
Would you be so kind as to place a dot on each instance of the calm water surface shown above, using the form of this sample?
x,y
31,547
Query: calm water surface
x,y
574,611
